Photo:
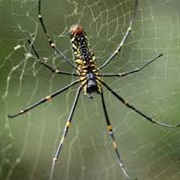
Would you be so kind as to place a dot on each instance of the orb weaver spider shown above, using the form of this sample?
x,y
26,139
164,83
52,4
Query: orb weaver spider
x,y
90,80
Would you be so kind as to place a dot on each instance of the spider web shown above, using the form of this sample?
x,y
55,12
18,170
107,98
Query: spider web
x,y
28,142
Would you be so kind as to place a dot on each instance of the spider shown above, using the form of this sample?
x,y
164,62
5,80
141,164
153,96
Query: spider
x,y
89,79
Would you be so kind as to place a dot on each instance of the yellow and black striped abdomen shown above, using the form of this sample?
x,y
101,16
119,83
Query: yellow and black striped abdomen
x,y
85,60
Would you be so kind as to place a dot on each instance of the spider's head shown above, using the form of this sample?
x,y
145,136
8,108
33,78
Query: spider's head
x,y
91,85
76,29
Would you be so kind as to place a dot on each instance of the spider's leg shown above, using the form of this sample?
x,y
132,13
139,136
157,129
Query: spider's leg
x,y
51,43
110,130
152,120
130,72
128,31
66,128
47,98
46,65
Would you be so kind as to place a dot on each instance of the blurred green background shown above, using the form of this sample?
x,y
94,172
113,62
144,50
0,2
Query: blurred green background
x,y
28,142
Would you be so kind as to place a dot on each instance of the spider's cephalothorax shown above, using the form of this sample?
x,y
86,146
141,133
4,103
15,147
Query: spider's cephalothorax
x,y
85,60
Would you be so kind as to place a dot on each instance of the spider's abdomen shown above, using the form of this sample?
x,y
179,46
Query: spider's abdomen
x,y
81,49
85,60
